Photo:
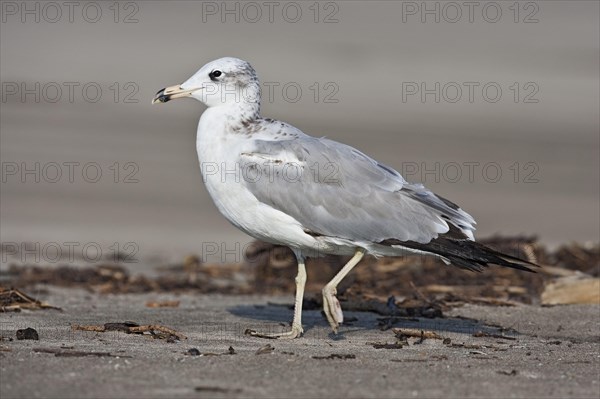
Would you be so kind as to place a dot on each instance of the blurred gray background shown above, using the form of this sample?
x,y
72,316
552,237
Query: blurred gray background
x,y
542,133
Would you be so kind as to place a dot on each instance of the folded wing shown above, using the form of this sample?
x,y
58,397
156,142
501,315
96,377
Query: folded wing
x,y
335,190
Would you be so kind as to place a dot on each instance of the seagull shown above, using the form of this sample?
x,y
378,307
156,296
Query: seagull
x,y
315,195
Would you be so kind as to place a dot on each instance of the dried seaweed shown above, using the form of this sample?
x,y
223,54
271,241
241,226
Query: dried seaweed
x,y
13,300
115,279
433,281
271,269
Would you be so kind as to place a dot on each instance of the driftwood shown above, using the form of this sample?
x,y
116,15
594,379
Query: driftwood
x,y
572,290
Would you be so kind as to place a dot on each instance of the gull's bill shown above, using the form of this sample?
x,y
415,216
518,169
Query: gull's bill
x,y
171,93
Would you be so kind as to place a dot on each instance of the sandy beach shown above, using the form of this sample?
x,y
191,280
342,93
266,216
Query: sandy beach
x,y
549,352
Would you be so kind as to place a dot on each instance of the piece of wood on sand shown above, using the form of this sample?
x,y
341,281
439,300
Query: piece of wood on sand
x,y
577,289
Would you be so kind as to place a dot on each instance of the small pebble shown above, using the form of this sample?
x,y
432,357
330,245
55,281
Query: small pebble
x,y
193,352
28,333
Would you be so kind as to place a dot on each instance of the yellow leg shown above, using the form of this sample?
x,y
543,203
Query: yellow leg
x,y
297,322
331,305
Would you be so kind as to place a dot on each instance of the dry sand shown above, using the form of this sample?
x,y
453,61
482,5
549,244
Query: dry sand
x,y
555,352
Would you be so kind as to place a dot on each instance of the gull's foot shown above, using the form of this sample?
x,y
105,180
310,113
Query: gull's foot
x,y
332,308
295,332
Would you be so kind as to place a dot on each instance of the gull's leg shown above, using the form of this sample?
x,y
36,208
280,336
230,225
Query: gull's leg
x,y
331,305
297,323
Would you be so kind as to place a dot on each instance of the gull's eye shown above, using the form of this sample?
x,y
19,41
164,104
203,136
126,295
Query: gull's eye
x,y
215,74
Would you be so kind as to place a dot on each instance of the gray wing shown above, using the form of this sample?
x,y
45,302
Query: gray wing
x,y
335,190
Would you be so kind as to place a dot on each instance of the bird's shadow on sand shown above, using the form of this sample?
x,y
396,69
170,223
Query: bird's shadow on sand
x,y
271,316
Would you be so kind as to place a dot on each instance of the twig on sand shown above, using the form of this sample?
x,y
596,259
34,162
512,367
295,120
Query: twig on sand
x,y
13,300
416,333
132,328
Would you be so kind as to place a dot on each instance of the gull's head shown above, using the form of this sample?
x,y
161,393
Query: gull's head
x,y
220,82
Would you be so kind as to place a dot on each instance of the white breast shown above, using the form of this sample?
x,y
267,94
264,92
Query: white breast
x,y
223,176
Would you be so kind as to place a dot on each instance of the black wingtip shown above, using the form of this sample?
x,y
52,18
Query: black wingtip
x,y
467,254
510,261
484,256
